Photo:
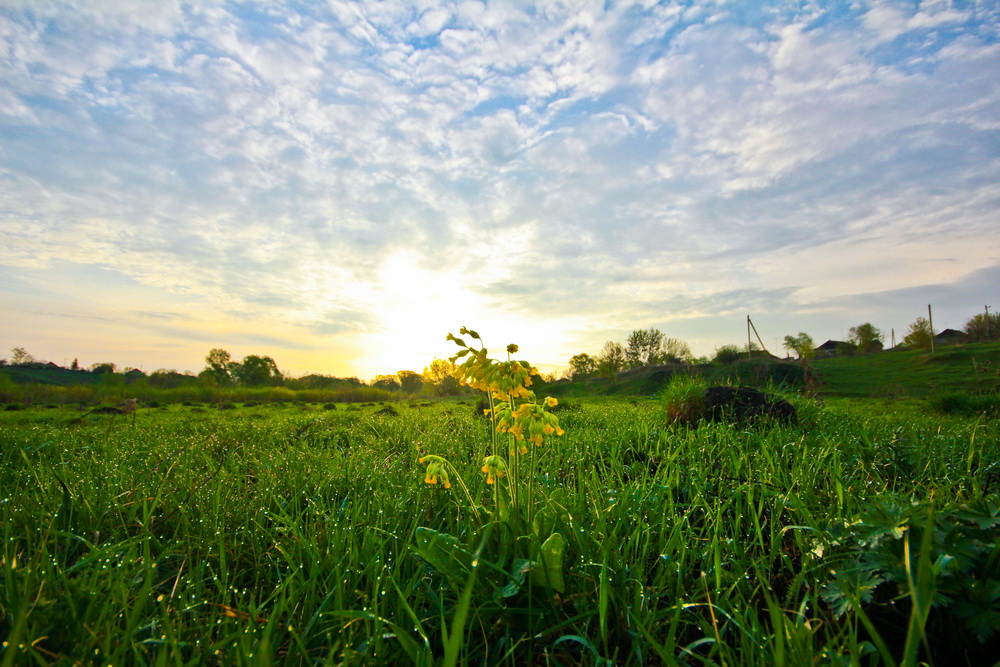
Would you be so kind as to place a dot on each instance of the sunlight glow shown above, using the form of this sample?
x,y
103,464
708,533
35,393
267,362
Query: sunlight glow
x,y
418,307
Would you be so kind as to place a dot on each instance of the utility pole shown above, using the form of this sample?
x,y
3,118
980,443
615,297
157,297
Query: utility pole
x,y
930,320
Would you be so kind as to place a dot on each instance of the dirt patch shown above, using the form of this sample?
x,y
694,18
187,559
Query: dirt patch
x,y
745,405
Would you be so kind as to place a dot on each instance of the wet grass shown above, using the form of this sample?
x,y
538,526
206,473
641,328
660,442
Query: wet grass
x,y
285,535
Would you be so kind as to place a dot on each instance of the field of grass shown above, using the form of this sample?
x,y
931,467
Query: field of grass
x,y
894,373
297,535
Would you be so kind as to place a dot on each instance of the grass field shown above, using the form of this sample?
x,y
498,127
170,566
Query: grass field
x,y
895,373
297,535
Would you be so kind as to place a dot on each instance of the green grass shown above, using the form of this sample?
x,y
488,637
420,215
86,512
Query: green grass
x,y
289,534
895,373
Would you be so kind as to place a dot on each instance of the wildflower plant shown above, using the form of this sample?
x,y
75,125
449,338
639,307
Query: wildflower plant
x,y
521,426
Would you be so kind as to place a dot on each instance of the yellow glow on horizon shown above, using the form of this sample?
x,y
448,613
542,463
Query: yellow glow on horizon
x,y
418,307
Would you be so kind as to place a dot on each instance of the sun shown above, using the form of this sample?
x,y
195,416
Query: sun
x,y
415,309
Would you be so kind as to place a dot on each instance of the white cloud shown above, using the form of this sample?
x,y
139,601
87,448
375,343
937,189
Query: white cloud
x,y
573,162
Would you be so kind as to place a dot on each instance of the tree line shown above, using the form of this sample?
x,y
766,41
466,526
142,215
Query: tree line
x,y
644,347
222,371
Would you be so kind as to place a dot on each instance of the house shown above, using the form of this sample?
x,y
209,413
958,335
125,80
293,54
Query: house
x,y
952,337
834,348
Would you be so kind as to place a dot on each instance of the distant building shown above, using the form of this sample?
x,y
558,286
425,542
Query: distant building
x,y
835,348
952,337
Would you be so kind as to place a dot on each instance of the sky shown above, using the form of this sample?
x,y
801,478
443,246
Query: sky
x,y
338,185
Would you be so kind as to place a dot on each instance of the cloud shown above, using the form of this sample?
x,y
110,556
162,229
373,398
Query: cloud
x,y
610,163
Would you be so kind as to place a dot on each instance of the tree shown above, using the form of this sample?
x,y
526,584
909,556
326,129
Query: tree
x,y
221,369
410,381
75,366
920,334
103,368
612,359
257,371
439,369
802,345
643,347
163,378
444,375
386,382
984,327
727,354
866,337
19,355
582,365
674,350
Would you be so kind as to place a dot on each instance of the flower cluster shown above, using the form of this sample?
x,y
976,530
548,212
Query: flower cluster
x,y
527,422
514,409
494,467
437,467
498,378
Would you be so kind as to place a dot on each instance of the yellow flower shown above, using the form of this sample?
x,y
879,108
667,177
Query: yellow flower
x,y
494,467
436,467
551,401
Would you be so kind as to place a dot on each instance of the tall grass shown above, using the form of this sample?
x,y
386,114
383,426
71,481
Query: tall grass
x,y
286,536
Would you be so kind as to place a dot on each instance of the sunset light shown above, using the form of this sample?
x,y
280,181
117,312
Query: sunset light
x,y
337,185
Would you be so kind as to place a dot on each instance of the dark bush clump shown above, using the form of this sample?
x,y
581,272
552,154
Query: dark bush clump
x,y
963,403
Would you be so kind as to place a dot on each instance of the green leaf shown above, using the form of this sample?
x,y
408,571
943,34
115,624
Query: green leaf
x,y
517,576
550,556
444,553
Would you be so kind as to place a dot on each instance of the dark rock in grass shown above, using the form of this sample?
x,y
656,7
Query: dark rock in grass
x,y
387,411
745,405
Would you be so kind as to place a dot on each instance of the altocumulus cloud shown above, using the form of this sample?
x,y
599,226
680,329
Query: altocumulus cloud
x,y
599,166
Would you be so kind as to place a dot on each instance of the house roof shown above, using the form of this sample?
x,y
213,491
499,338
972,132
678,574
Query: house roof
x,y
833,345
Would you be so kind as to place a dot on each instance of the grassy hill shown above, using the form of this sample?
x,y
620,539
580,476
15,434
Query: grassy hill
x,y
973,367
50,375
894,373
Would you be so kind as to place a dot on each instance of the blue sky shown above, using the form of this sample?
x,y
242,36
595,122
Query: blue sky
x,y
340,184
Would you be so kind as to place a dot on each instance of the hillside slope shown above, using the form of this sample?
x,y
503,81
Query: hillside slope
x,y
974,367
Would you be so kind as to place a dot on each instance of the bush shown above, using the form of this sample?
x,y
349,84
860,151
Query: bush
x,y
964,403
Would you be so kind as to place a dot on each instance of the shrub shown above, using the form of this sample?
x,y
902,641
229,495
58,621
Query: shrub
x,y
964,403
